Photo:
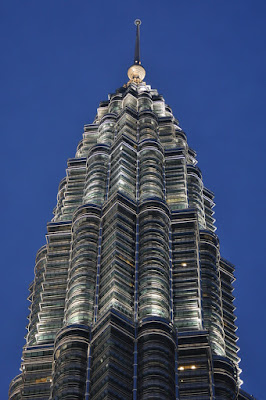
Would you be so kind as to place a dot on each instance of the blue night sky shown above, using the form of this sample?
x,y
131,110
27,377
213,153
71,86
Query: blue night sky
x,y
60,58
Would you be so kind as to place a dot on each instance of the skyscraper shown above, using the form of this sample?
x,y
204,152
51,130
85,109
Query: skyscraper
x,y
131,297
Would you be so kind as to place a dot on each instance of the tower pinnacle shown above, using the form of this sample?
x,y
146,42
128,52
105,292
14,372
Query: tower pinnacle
x,y
137,22
136,72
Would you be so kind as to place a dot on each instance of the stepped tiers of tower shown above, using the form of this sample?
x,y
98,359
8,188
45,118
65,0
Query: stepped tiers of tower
x,y
131,297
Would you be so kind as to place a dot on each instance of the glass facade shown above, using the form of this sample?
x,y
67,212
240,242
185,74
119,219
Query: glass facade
x,y
131,297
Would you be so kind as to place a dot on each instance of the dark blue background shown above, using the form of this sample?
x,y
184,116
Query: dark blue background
x,y
59,59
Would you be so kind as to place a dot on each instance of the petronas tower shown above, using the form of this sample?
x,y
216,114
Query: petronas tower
x,y
131,298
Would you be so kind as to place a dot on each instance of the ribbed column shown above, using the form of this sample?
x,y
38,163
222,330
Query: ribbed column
x,y
15,387
186,271
73,191
156,361
175,177
70,361
107,129
227,279
211,290
96,179
53,292
148,125
90,136
37,371
167,132
154,279
208,197
225,379
151,170
145,102
35,297
195,370
60,197
83,266
195,193
115,106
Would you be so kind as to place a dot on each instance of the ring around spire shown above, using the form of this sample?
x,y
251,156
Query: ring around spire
x,y
136,72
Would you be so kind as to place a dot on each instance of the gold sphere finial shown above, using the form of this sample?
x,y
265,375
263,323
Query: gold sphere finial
x,y
136,73
137,22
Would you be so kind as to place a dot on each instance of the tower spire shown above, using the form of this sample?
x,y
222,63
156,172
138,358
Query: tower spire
x,y
136,72
137,22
